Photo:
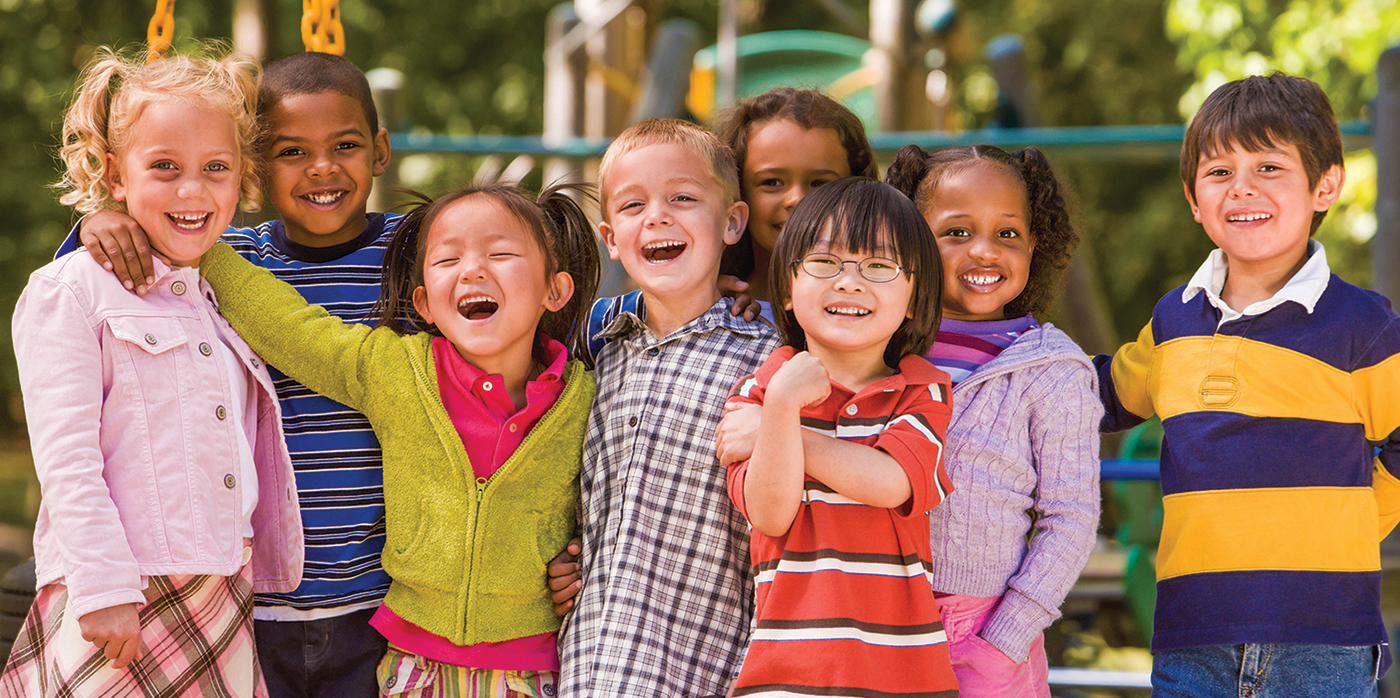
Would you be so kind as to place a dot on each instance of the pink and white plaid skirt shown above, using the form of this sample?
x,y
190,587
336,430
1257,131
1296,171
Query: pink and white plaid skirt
x,y
196,640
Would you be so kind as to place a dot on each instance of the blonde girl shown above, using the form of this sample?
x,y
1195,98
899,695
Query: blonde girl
x,y
155,430
481,412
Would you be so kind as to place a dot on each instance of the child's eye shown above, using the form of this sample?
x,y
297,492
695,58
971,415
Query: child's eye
x,y
1218,172
444,260
216,167
1268,168
164,165
629,205
957,233
1009,233
346,145
290,152
503,255
771,182
685,197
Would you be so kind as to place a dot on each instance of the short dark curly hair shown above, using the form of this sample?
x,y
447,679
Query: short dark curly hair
x,y
918,174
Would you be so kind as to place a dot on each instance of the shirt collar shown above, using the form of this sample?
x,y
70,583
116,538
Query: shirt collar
x,y
718,316
1304,288
555,354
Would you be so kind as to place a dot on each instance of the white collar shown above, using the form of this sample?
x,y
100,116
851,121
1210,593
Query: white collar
x,y
1304,288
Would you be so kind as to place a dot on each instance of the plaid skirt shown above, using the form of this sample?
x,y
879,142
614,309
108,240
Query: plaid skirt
x,y
196,640
407,675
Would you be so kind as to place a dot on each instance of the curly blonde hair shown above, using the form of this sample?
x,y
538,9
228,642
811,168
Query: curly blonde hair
x,y
115,87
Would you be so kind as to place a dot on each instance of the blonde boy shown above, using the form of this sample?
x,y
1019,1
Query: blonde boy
x,y
667,596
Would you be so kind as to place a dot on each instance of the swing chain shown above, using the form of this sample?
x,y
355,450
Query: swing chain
x,y
321,29
161,30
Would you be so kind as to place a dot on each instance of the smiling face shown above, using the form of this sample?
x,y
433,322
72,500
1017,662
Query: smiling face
x,y
321,163
783,163
485,285
179,177
848,315
979,217
1257,207
667,220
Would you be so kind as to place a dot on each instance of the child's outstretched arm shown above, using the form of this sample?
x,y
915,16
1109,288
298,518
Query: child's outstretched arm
x,y
118,243
1124,383
301,340
772,487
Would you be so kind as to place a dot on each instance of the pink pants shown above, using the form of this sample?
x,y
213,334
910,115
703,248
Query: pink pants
x,y
982,670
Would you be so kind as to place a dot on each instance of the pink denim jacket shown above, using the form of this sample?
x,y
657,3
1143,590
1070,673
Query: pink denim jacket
x,y
126,399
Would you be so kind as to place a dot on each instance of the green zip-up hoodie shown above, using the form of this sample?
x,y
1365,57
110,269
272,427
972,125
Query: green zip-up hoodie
x,y
467,560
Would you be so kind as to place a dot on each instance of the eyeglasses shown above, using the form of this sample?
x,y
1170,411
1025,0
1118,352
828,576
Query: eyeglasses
x,y
824,265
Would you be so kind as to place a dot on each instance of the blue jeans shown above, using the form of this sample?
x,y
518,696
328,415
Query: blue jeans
x,y
326,658
1265,671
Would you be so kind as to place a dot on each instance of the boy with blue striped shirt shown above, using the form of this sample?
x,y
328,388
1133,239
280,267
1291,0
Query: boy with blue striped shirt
x,y
323,147
1275,382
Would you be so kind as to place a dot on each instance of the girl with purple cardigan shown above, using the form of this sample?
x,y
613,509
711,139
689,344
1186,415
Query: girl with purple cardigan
x,y
1024,431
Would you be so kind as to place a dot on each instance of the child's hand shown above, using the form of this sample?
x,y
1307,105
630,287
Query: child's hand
x,y
737,433
744,304
119,244
564,580
116,631
803,380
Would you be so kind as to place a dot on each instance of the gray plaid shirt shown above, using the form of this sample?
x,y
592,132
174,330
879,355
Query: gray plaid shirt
x,y
667,594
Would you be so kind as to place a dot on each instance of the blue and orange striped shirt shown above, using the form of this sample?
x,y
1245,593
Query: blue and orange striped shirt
x,y
1279,461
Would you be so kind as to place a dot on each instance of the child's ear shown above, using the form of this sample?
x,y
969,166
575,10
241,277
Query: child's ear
x,y
735,222
1191,199
561,289
114,179
609,239
381,151
420,303
1329,187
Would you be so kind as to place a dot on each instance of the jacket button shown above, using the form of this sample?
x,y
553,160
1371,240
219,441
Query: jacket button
x,y
178,288
205,349
255,362
653,352
150,338
220,412
389,682
230,481
632,422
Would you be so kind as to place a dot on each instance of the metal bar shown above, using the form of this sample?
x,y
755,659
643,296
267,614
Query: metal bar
x,y
1159,142
1099,678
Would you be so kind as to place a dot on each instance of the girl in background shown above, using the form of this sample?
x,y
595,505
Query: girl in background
x,y
481,413
787,142
155,430
1023,443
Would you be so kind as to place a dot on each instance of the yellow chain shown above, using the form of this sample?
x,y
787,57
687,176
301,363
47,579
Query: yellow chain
x,y
161,30
321,30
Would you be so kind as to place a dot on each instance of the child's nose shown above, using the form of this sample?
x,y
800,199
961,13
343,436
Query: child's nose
x,y
983,247
794,195
321,166
1243,184
190,188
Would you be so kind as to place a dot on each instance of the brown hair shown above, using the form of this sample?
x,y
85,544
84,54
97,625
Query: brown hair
x,y
1259,112
560,228
654,131
861,214
918,174
809,109
115,87
313,73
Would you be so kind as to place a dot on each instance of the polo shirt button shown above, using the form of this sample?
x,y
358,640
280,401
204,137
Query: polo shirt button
x,y
632,422
150,338
486,385
653,352
178,288
851,409
230,481
512,428
205,349
220,412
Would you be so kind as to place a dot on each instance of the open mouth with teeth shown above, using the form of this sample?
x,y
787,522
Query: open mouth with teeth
x,y
324,198
981,279
664,251
1248,217
846,310
477,307
188,221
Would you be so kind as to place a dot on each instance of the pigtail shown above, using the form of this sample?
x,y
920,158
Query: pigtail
x,y
575,250
907,171
1052,231
394,308
85,138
